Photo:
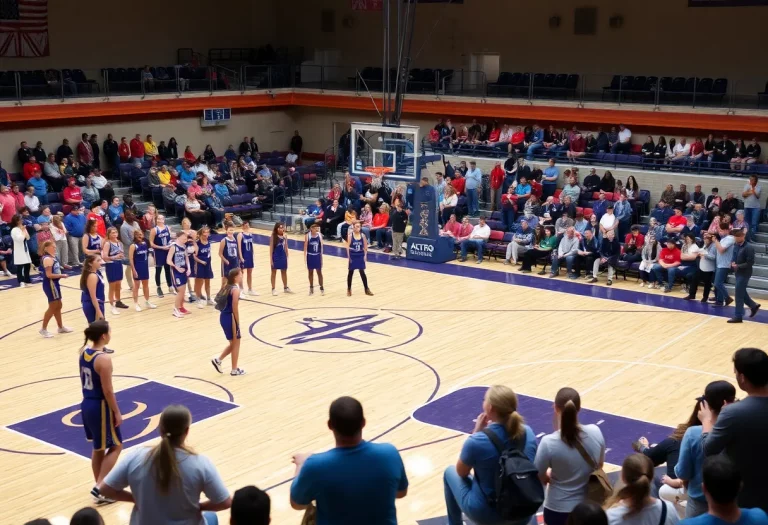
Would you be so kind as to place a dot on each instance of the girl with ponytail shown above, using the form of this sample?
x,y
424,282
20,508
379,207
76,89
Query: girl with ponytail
x,y
560,462
474,495
633,503
166,481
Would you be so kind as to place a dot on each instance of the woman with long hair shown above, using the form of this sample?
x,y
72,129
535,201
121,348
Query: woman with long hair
x,y
498,427
278,256
99,410
167,480
633,503
92,241
313,256
51,269
59,232
92,288
138,260
632,188
202,269
228,304
245,247
717,395
21,256
229,252
178,259
160,242
357,255
112,254
649,256
560,458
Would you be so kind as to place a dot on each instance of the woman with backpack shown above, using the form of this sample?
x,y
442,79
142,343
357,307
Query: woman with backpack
x,y
567,458
475,495
633,503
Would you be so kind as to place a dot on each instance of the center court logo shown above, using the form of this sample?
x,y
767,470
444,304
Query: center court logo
x,y
335,330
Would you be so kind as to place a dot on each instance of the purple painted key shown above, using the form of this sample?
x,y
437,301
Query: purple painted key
x,y
457,411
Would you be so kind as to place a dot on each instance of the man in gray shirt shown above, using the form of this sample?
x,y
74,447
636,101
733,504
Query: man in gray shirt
x,y
743,260
566,250
751,194
473,184
724,259
741,429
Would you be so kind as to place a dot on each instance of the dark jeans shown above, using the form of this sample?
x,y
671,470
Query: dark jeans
x,y
533,255
168,280
22,273
721,293
704,278
586,262
447,211
569,262
383,236
742,296
555,518
508,218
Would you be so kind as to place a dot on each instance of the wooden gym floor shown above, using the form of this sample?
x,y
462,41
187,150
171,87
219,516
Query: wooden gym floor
x,y
417,355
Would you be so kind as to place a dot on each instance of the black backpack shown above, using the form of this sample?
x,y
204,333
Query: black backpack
x,y
519,492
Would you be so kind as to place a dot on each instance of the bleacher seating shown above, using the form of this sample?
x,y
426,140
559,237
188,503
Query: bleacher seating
x,y
545,85
671,90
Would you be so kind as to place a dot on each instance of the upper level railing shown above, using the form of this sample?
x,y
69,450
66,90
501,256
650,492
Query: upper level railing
x,y
534,88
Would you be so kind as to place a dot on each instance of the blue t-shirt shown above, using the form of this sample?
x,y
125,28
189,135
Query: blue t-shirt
x,y
748,517
691,461
352,485
479,453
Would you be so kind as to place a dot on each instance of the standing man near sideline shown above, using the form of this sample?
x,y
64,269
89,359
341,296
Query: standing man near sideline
x,y
751,194
724,249
740,431
354,483
74,221
474,181
743,261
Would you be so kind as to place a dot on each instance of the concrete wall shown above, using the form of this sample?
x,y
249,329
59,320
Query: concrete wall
x,y
91,34
658,37
272,130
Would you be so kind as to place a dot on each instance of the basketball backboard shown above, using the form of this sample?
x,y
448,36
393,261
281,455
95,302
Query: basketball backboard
x,y
391,150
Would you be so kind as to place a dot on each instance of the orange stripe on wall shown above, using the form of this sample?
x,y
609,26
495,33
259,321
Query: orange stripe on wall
x,y
25,115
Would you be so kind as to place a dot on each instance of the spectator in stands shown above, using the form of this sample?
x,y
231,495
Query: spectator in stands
x,y
580,223
52,174
551,137
724,152
89,193
752,193
623,211
600,206
24,154
697,151
608,256
532,210
196,213
39,185
458,182
591,182
115,212
624,142
74,222
110,149
633,246
709,150
721,225
697,197
753,153
473,495
567,251
517,143
137,149
124,150
738,160
662,213
587,252
721,484
591,144
150,149
186,175
543,249
452,227
669,260
30,168
72,194
3,175
39,153
7,207
682,197
245,147
729,204
681,153
739,223
508,208
85,151
676,223
705,271
31,202
166,480
535,143
94,142
608,183
477,239
562,224
660,151
571,188
473,184
559,458
208,154
522,241
101,183
355,482
743,261
17,195
691,227
63,151
633,504
577,148
741,430
602,141
450,199
549,180
496,181
647,150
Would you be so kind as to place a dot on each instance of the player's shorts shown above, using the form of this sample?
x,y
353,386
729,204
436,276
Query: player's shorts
x,y
99,424
229,325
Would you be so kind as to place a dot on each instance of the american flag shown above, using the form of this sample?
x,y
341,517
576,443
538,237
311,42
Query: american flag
x,y
23,28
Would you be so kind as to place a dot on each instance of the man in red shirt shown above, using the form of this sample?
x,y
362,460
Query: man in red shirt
x,y
697,151
459,182
517,143
577,147
72,194
669,258
31,167
137,148
676,223
124,151
96,215
497,180
85,151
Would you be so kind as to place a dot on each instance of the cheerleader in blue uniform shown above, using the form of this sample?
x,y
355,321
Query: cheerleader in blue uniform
x,y
179,262
313,255
160,242
202,269
112,254
99,411
245,245
228,304
50,268
278,255
138,260
357,253
228,252
92,241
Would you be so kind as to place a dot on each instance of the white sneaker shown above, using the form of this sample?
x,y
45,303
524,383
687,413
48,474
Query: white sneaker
x,y
150,305
173,291
201,304
177,313
45,333
237,372
216,364
65,330
211,302
274,292
287,290
137,307
254,294
115,311
23,285
7,273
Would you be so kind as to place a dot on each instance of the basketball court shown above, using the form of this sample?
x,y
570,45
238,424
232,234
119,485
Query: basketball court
x,y
418,355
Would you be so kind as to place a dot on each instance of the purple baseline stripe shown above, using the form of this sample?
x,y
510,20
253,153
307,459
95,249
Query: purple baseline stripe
x,y
457,410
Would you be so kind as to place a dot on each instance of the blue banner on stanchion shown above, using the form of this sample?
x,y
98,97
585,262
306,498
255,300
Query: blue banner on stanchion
x,y
425,243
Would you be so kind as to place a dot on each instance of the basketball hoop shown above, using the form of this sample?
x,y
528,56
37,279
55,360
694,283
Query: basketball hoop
x,y
379,170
